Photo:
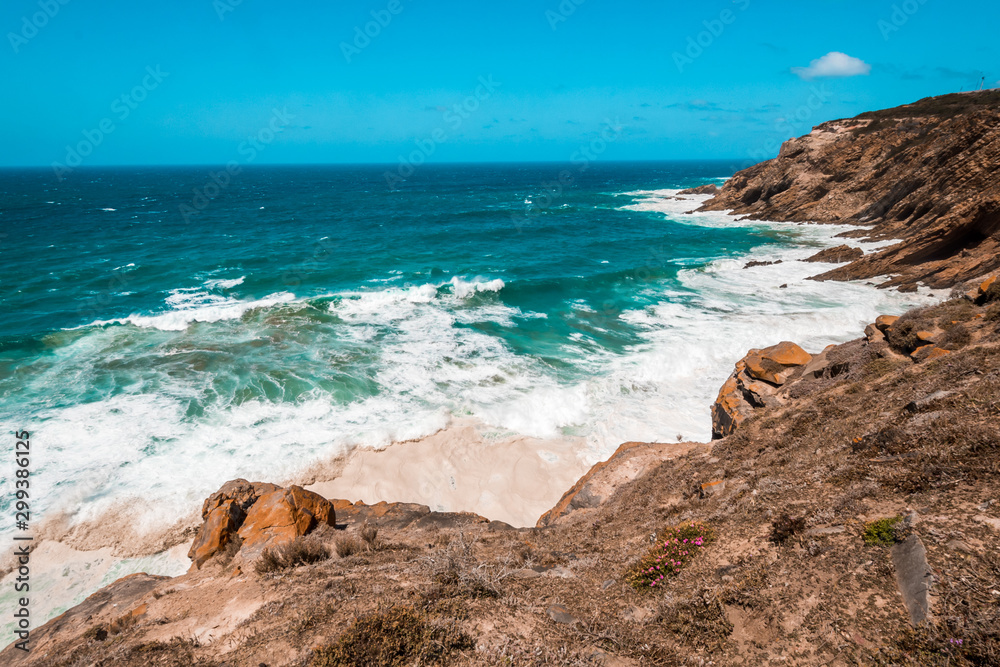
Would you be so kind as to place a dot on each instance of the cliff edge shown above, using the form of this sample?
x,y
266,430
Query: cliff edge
x,y
923,173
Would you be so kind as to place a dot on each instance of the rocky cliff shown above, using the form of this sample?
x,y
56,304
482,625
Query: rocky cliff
x,y
850,516
923,173
847,513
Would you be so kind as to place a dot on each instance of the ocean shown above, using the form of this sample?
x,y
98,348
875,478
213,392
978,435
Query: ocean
x,y
166,329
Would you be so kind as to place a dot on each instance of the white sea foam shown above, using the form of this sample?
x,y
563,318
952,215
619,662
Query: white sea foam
x,y
195,306
429,365
463,289
221,283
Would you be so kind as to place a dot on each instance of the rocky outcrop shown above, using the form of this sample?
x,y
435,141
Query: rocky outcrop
x,y
251,516
278,517
988,290
769,378
837,255
709,189
857,420
923,173
629,462
756,383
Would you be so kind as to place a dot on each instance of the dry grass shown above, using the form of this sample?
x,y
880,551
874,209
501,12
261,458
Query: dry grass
x,y
300,551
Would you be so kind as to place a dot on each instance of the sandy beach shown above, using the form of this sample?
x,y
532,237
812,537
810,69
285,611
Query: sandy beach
x,y
467,466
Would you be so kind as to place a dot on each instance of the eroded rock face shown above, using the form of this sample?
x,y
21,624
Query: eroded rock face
x,y
837,255
282,515
774,363
709,189
761,380
923,173
217,532
260,514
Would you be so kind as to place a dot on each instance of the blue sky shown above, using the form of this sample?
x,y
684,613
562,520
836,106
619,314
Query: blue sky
x,y
200,77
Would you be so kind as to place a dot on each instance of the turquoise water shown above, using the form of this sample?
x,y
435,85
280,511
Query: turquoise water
x,y
304,311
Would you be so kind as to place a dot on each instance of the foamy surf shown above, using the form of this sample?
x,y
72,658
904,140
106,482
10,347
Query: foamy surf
x,y
198,307
139,417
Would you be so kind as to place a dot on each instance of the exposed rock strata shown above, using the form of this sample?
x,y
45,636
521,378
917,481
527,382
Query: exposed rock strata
x,y
924,173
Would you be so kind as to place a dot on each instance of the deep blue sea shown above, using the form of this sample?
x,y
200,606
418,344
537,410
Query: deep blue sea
x,y
154,353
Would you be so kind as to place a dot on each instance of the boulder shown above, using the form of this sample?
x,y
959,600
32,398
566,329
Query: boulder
x,y
221,524
773,364
242,492
754,384
260,515
282,515
837,255
755,262
731,408
883,322
874,334
914,578
709,189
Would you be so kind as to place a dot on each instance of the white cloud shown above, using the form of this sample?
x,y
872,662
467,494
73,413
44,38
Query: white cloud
x,y
833,64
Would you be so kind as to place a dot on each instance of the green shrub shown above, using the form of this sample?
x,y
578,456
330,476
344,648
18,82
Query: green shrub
x,y
884,532
393,638
676,547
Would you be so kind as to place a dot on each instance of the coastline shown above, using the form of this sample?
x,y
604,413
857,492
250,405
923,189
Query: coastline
x,y
490,470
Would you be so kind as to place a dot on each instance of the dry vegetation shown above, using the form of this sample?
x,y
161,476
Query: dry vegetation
x,y
799,570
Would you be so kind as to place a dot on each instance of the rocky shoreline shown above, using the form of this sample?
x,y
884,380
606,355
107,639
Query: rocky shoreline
x,y
923,173
846,511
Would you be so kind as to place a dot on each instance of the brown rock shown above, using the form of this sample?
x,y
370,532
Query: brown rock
x,y
242,492
873,334
730,410
883,322
221,524
282,515
924,173
837,255
986,284
709,189
773,363
928,353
